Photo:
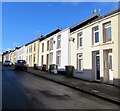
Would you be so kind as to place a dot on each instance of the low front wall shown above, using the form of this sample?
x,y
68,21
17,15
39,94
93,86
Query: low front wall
x,y
61,69
86,75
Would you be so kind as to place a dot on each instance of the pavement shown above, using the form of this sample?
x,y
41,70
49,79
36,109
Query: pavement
x,y
104,91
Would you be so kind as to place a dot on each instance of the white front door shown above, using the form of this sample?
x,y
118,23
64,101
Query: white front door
x,y
110,70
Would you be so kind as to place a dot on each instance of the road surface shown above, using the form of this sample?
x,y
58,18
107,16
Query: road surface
x,y
22,90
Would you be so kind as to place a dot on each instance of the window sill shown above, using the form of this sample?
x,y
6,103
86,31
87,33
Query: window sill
x,y
80,48
95,45
58,47
106,43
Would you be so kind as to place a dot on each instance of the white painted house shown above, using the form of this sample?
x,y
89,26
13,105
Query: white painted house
x,y
53,49
95,51
21,53
15,55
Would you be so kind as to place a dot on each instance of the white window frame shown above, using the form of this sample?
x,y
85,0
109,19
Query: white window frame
x,y
80,40
43,47
27,50
80,57
31,49
48,45
34,46
94,32
104,28
58,41
51,43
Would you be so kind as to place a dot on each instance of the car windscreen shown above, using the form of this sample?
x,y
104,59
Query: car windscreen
x,y
7,61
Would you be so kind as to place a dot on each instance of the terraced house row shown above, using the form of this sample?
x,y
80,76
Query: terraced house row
x,y
92,46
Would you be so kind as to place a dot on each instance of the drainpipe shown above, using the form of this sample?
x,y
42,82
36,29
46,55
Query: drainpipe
x,y
69,49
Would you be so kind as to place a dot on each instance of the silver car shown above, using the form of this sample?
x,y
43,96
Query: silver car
x,y
7,63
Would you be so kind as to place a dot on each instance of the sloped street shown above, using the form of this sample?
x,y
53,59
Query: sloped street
x,y
22,90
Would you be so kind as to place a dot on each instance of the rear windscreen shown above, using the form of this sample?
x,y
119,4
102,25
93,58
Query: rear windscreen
x,y
21,61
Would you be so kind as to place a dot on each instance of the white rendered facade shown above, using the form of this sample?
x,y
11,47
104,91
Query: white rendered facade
x,y
21,53
97,59
57,52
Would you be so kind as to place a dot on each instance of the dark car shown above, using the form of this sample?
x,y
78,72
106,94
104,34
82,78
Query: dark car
x,y
21,64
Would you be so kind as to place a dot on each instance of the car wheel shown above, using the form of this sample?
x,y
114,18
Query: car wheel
x,y
26,68
15,68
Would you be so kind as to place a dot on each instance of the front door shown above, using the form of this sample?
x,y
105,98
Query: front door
x,y
110,70
47,59
97,66
42,60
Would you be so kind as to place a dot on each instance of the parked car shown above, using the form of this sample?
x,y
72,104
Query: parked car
x,y
7,63
21,64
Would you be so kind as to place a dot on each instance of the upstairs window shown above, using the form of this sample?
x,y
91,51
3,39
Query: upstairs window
x,y
47,45
107,32
27,50
51,44
34,46
58,41
42,47
31,48
79,40
95,33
